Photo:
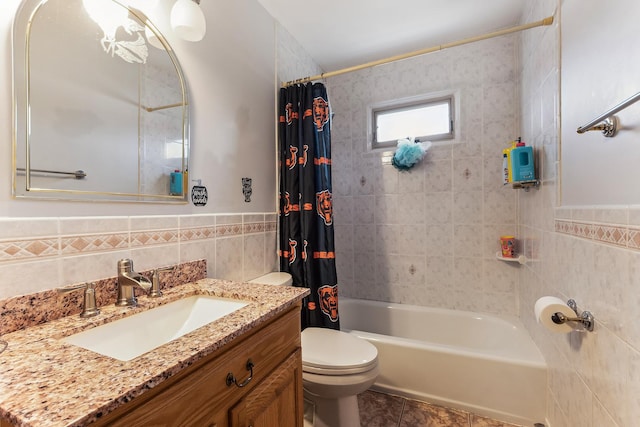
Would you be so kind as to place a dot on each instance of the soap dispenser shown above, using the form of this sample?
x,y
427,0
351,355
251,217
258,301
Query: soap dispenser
x,y
175,186
522,163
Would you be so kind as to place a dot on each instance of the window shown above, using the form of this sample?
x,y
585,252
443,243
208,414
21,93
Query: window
x,y
428,119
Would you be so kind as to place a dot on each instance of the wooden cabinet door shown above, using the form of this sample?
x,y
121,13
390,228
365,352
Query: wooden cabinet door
x,y
276,401
200,396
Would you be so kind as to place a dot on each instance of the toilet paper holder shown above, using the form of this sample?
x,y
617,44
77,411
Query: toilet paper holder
x,y
586,318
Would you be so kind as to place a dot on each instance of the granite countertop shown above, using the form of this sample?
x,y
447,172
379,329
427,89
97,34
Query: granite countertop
x,y
47,382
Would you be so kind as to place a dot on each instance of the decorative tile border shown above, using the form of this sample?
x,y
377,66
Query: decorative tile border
x,y
253,227
158,237
197,234
617,235
69,245
227,230
100,242
271,226
25,249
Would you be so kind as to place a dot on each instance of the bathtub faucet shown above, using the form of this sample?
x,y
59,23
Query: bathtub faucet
x,y
127,281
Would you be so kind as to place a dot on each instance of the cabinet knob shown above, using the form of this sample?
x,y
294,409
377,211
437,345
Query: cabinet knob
x,y
231,379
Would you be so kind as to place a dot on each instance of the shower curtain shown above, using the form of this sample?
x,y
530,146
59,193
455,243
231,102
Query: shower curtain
x,y
306,209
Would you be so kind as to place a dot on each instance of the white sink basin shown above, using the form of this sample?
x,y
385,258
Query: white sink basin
x,y
132,336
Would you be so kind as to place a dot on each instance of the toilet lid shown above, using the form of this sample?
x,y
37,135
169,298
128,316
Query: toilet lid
x,y
328,351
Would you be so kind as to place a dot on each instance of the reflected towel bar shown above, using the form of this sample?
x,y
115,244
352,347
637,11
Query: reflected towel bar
x,y
610,126
79,174
163,107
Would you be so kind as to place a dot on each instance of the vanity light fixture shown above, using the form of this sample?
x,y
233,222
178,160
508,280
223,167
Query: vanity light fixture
x,y
187,20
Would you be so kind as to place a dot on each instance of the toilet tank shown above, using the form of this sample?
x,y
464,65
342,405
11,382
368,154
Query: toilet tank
x,y
275,278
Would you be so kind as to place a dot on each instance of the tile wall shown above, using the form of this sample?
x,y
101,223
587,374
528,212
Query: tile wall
x,y
429,236
37,254
587,253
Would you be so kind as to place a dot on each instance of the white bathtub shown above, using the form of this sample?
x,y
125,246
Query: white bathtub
x,y
476,362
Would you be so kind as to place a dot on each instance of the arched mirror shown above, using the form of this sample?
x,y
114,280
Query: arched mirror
x,y
100,104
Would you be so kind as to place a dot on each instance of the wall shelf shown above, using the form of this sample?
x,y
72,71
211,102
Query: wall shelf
x,y
526,185
520,259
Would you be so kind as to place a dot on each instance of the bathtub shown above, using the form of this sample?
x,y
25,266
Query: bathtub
x,y
480,363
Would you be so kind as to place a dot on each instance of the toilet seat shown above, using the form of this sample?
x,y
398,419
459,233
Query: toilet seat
x,y
331,352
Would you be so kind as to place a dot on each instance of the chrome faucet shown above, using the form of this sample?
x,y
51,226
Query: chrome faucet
x,y
127,281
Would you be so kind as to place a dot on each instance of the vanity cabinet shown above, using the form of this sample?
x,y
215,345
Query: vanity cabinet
x,y
272,402
199,395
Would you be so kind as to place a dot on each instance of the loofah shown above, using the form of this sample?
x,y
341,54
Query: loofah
x,y
409,153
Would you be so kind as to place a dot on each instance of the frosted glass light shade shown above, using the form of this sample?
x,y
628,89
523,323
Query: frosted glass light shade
x,y
187,20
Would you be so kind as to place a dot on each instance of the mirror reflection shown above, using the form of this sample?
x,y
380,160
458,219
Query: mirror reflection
x,y
100,105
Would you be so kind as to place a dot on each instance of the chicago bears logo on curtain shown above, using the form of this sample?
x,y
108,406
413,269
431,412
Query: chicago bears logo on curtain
x,y
293,156
289,114
329,301
324,206
292,251
320,112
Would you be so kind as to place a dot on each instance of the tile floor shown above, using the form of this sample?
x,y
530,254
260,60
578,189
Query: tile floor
x,y
384,410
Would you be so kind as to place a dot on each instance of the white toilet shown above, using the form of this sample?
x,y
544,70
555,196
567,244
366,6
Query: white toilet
x,y
336,367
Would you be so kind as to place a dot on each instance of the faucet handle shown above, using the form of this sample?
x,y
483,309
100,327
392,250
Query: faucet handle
x,y
155,291
89,307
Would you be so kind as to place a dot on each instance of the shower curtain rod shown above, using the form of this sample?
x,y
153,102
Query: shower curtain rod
x,y
545,21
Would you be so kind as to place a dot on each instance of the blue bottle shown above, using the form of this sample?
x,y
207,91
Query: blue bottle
x,y
522,163
175,186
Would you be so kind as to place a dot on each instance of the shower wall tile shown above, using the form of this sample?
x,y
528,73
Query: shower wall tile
x,y
468,207
411,208
467,174
467,240
499,206
438,175
364,238
363,209
342,209
439,240
438,210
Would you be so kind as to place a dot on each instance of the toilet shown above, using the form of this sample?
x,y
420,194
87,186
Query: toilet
x,y
336,367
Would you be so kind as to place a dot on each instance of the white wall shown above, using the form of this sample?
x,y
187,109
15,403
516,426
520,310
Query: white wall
x,y
231,75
